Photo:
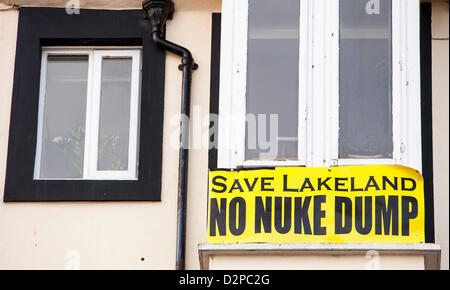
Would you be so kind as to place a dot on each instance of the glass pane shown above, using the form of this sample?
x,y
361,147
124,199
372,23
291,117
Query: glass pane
x,y
272,81
366,79
63,125
114,127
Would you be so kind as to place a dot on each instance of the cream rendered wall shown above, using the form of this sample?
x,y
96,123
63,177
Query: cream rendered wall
x,y
112,235
440,61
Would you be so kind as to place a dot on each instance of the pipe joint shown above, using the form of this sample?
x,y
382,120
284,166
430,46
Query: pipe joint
x,y
188,62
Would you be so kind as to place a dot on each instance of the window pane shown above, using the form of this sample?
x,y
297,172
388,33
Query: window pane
x,y
272,81
63,123
366,79
114,130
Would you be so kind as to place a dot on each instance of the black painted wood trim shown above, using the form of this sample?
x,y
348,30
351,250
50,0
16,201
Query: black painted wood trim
x,y
53,26
215,84
427,118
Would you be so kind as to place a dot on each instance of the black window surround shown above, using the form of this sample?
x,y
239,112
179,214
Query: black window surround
x,y
40,27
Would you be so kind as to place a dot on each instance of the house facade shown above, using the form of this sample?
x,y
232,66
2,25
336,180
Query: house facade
x,y
99,170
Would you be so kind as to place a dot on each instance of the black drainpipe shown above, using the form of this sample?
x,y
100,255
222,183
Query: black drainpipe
x,y
158,12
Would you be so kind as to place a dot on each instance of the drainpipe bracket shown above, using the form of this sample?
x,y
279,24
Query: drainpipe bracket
x,y
194,66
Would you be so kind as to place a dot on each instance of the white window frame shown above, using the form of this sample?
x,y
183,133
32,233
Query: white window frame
x,y
95,58
319,87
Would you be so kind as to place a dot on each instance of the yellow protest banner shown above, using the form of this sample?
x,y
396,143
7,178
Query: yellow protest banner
x,y
355,204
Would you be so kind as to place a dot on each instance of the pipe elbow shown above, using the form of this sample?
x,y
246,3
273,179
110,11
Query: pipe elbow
x,y
156,35
186,55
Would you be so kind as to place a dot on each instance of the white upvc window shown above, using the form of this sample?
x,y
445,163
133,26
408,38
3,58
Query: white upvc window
x,y
88,125
337,80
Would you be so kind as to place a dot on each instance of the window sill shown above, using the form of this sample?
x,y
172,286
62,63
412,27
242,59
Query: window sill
x,y
431,252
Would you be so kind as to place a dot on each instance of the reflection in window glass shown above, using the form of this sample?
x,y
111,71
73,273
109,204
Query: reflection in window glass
x,y
63,123
272,81
114,127
366,79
